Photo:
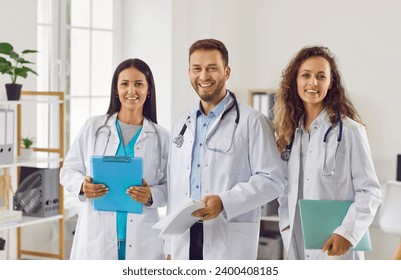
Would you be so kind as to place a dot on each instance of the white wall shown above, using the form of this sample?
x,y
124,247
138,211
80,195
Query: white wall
x,y
18,27
146,30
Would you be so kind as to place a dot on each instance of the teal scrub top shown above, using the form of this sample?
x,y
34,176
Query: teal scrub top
x,y
128,151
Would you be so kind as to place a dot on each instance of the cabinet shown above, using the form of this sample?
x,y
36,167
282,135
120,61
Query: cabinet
x,y
54,155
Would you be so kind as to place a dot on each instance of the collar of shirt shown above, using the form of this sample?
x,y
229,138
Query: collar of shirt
x,y
316,122
217,110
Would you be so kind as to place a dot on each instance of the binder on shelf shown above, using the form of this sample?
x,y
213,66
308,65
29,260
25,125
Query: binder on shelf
x,y
7,137
319,218
118,173
3,129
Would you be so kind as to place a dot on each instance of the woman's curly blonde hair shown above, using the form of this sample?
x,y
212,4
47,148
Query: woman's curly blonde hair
x,y
288,107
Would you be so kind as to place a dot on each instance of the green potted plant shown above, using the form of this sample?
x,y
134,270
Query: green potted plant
x,y
15,67
26,151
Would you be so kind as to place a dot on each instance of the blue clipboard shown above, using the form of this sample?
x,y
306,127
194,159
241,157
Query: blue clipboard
x,y
118,173
319,218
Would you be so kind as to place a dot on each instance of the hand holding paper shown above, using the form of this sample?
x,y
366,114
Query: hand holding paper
x,y
180,220
213,207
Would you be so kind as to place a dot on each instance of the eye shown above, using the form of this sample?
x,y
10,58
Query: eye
x,y
321,77
124,84
212,69
196,69
305,75
138,84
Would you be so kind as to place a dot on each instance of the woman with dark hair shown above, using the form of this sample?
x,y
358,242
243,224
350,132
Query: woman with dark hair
x,y
128,129
323,139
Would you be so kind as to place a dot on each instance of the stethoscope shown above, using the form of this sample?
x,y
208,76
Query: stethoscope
x,y
285,155
106,129
179,140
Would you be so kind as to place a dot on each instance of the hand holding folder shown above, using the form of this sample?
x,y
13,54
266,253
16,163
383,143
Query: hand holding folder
x,y
319,219
118,174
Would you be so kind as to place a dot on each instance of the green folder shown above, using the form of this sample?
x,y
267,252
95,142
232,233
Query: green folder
x,y
319,219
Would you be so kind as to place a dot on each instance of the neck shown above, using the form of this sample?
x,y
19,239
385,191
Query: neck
x,y
311,113
131,117
208,106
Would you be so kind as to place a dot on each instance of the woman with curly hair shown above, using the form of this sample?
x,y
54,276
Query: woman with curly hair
x,y
322,137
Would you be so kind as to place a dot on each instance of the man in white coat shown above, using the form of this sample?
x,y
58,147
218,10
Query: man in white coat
x,y
223,153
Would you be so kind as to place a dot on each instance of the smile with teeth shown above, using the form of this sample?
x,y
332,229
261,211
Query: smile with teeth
x,y
203,85
133,98
312,91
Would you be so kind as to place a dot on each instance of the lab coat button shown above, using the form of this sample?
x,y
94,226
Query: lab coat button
x,y
131,220
130,245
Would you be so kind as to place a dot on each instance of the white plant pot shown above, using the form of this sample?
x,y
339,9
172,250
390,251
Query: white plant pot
x,y
26,153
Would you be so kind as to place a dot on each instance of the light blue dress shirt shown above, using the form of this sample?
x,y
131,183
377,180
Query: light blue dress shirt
x,y
203,124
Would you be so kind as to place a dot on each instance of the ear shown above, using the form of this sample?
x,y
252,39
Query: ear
x,y
227,73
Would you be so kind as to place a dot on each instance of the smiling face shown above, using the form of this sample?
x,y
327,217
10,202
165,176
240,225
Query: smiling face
x,y
132,89
208,75
313,81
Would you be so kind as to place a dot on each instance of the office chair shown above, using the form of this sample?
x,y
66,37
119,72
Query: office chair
x,y
390,218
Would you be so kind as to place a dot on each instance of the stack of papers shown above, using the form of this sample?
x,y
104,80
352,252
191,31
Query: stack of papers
x,y
10,217
180,220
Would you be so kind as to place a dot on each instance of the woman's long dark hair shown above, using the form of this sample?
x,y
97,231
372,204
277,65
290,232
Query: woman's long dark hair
x,y
149,108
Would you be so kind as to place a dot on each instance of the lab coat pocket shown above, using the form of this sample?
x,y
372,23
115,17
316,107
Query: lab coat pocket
x,y
151,245
243,241
232,153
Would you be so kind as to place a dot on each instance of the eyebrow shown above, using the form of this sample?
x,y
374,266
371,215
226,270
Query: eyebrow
x,y
212,64
307,70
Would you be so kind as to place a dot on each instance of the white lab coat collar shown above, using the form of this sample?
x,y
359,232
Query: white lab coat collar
x,y
191,121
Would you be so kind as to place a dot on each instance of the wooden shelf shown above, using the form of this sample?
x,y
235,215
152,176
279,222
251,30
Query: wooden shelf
x,y
28,221
33,98
30,162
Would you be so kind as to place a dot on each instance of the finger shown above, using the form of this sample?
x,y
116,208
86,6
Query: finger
x,y
327,245
144,183
88,179
199,213
140,189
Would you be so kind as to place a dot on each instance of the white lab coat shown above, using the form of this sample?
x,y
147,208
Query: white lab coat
x,y
248,175
95,235
354,179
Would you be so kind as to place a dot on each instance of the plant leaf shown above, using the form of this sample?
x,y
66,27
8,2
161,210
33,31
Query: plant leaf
x,y
23,61
29,51
21,72
5,48
27,69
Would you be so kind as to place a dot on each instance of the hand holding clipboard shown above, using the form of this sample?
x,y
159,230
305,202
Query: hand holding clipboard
x,y
118,174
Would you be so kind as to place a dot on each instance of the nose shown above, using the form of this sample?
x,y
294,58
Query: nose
x,y
204,75
131,89
313,81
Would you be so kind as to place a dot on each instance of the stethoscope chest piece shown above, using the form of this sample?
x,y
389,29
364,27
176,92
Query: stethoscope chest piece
x,y
285,155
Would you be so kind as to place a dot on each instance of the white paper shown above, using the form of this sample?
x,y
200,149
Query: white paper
x,y
180,220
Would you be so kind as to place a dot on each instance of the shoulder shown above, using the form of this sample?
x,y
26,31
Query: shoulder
x,y
350,124
250,114
353,129
162,131
94,121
